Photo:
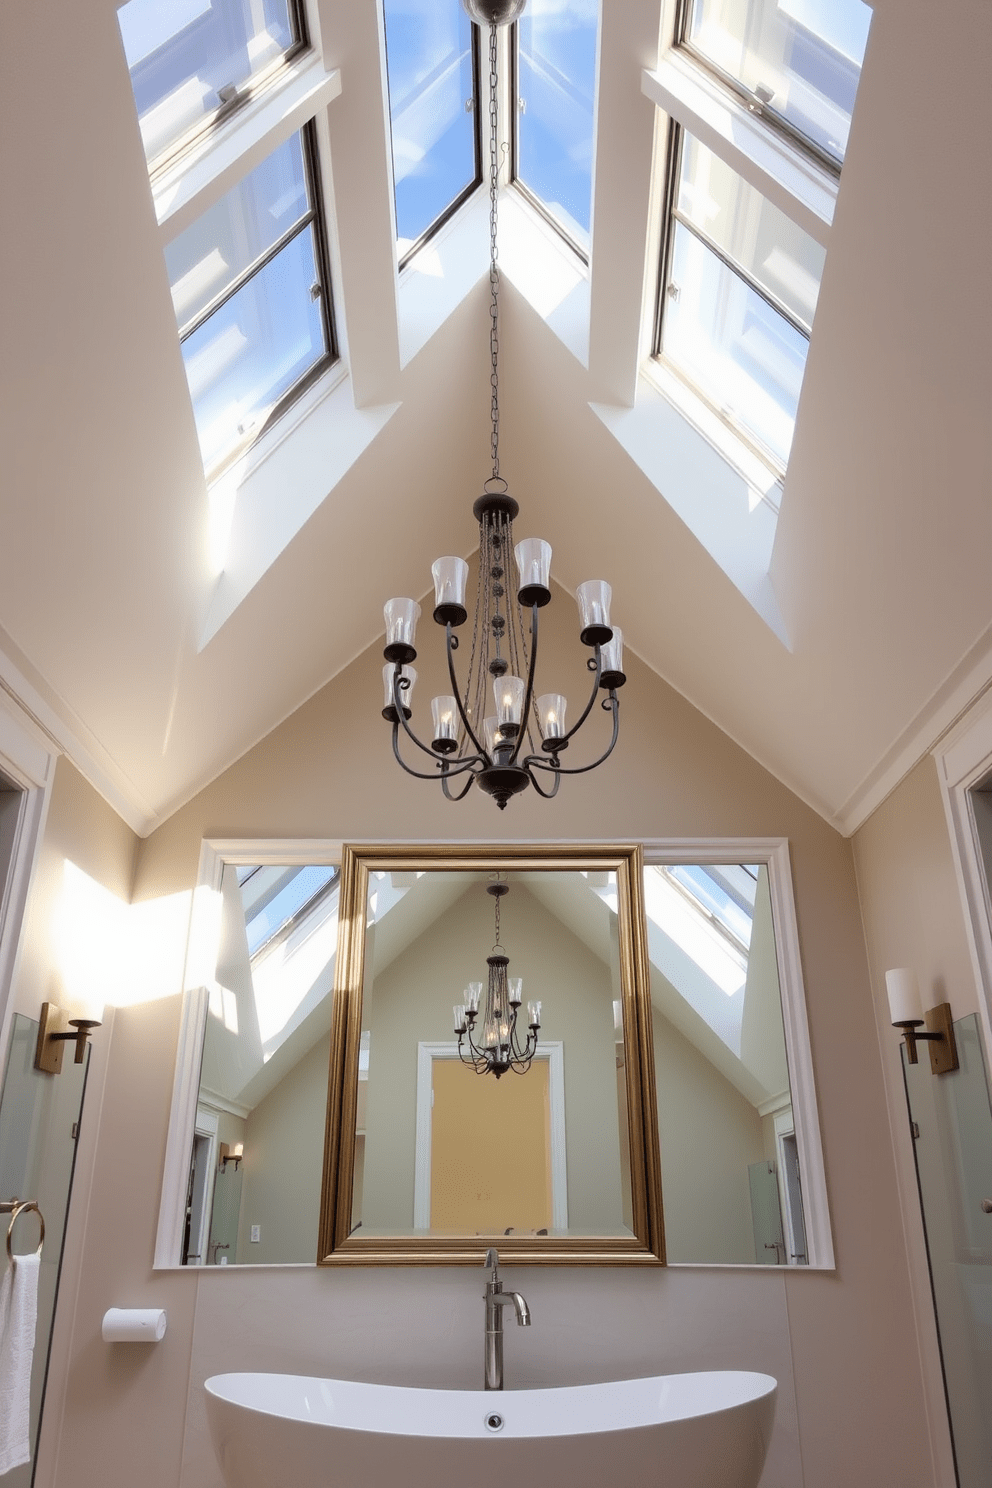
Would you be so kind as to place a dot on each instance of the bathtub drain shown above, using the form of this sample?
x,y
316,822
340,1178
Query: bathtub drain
x,y
494,1421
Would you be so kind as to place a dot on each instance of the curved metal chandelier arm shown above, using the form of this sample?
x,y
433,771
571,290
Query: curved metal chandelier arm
x,y
592,698
536,783
451,644
528,695
533,762
401,715
443,767
457,795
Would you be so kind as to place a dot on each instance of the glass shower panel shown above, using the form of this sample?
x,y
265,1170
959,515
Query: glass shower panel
x,y
952,1127
39,1124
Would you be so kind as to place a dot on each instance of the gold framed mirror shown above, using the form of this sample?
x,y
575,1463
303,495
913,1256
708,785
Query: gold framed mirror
x,y
430,1158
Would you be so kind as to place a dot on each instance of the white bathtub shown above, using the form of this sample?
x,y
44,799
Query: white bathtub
x,y
675,1431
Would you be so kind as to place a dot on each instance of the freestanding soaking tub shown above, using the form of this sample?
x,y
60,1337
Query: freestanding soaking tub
x,y
706,1430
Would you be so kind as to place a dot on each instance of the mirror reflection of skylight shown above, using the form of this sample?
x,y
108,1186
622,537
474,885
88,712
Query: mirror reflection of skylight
x,y
249,291
189,59
431,108
802,58
738,299
276,898
694,910
556,86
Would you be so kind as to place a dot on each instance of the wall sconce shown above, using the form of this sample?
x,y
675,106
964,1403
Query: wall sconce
x,y
231,1154
56,1028
906,1011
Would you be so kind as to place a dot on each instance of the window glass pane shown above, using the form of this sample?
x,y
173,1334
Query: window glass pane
x,y
252,350
744,357
182,52
556,72
803,56
429,63
749,229
206,259
292,895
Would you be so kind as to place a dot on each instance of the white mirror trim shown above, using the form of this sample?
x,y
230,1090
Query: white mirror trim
x,y
772,851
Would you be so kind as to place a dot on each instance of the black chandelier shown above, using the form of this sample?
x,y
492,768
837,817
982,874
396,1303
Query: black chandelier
x,y
498,1048
488,748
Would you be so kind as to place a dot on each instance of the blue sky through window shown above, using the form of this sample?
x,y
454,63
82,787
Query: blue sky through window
x,y
556,83
429,65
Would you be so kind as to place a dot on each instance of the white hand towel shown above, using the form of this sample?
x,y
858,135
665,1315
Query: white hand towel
x,y
18,1315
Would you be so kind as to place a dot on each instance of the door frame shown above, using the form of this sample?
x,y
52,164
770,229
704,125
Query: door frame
x,y
553,1050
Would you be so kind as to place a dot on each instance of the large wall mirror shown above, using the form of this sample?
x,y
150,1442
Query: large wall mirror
x,y
322,1108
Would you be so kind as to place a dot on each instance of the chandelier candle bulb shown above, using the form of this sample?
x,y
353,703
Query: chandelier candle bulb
x,y
401,629
473,993
905,1006
444,711
551,716
516,985
533,557
534,1014
509,695
450,578
593,599
612,674
407,674
491,736
459,1012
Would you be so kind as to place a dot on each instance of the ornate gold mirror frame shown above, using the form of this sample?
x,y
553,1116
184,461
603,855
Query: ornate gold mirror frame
x,y
339,1247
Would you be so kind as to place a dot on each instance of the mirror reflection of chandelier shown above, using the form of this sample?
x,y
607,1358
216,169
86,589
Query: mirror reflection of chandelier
x,y
498,1048
480,729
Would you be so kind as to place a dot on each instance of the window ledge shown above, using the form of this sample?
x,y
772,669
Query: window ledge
x,y
259,506
239,144
437,278
797,186
727,503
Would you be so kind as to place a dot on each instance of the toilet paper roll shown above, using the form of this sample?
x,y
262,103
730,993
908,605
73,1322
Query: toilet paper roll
x,y
134,1325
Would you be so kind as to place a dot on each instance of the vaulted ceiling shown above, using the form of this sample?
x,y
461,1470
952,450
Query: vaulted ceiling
x,y
882,549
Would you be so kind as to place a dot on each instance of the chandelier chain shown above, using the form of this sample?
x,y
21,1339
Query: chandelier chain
x,y
493,269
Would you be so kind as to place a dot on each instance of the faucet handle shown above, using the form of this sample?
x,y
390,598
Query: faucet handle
x,y
492,1260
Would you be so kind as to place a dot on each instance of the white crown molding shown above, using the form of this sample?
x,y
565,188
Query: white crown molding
x,y
946,706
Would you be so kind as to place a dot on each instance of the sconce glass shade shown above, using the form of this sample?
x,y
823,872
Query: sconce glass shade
x,y
491,736
509,695
450,578
401,629
534,1014
473,994
551,715
593,599
904,995
516,991
444,711
459,1012
612,673
407,674
533,557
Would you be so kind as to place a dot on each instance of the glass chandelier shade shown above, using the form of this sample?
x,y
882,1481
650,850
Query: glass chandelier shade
x,y
521,743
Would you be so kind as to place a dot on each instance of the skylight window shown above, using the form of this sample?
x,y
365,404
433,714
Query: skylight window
x,y
739,289
277,900
798,60
193,62
431,66
250,290
556,101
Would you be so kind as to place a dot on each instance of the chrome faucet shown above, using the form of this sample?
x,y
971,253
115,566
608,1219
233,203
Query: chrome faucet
x,y
496,1299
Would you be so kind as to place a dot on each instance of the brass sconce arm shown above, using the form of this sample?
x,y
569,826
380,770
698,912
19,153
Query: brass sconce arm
x,y
56,1028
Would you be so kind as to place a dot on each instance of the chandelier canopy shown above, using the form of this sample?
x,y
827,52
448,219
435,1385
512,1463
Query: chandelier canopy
x,y
498,1048
492,743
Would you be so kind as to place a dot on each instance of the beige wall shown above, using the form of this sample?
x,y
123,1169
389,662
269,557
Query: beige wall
x,y
913,917
843,1345
709,1134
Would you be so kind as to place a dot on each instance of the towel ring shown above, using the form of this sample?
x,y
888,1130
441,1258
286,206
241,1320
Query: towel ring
x,y
18,1211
